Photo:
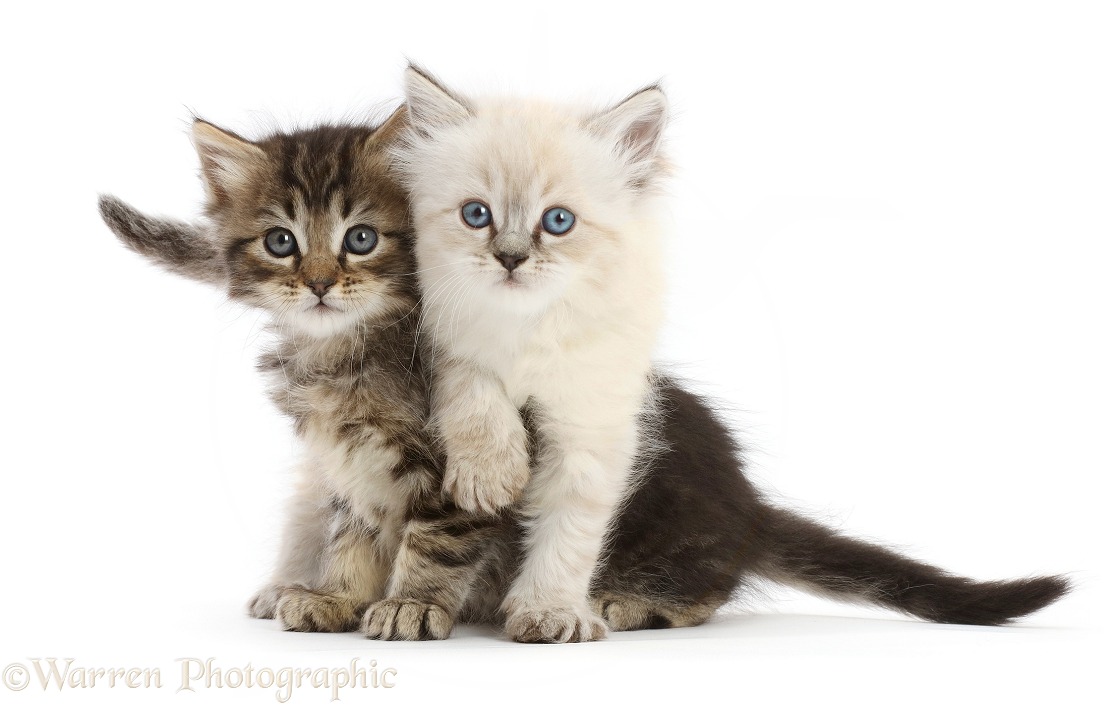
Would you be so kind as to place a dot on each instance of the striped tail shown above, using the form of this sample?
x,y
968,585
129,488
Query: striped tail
x,y
182,248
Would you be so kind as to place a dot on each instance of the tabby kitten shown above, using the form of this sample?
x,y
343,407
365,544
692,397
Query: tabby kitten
x,y
540,268
310,227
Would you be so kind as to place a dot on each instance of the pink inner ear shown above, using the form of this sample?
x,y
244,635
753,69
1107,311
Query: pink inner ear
x,y
642,139
636,124
226,158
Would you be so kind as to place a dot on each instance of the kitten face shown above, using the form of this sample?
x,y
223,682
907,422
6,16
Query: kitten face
x,y
515,203
312,227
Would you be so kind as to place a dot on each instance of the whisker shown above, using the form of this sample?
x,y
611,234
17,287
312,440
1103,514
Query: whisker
x,y
434,267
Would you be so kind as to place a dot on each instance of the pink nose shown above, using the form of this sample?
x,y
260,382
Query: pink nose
x,y
320,286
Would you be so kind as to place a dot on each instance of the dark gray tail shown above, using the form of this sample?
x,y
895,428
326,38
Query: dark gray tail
x,y
180,247
808,555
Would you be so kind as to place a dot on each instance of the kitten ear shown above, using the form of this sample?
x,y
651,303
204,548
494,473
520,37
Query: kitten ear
x,y
635,125
228,161
395,123
432,105
180,247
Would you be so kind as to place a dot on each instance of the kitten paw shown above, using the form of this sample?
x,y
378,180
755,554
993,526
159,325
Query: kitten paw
x,y
262,604
486,485
302,610
626,614
406,619
556,625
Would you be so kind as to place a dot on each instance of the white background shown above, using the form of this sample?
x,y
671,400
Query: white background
x,y
892,263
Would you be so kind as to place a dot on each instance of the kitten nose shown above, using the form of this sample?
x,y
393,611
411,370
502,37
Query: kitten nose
x,y
510,261
321,285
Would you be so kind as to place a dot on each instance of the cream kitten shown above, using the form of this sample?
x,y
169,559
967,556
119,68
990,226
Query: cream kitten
x,y
539,250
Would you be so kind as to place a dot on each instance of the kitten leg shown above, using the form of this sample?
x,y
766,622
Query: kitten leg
x,y
353,575
304,539
580,478
442,552
628,612
487,464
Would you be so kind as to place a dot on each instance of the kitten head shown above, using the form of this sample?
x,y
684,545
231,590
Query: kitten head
x,y
517,202
313,226
308,225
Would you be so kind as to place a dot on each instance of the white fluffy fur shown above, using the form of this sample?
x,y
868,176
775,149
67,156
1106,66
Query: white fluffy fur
x,y
571,330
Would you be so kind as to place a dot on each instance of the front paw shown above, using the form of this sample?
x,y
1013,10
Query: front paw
x,y
406,619
555,625
486,484
302,610
262,604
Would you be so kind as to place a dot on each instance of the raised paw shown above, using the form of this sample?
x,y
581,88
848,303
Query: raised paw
x,y
556,625
486,485
262,604
303,610
406,619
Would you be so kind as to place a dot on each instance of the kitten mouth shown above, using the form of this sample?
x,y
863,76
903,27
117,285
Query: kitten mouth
x,y
322,308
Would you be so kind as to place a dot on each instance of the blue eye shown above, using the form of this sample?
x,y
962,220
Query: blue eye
x,y
476,214
360,240
280,242
558,221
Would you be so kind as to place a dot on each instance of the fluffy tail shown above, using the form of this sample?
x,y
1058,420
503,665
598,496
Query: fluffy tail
x,y
180,247
807,555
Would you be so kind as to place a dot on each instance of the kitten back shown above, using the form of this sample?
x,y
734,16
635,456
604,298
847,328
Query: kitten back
x,y
743,535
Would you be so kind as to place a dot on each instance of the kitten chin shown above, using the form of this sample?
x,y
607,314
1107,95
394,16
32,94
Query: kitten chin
x,y
322,321
521,296
320,325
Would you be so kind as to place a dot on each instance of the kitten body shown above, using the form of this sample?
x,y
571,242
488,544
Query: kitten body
x,y
562,323
310,227
525,315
